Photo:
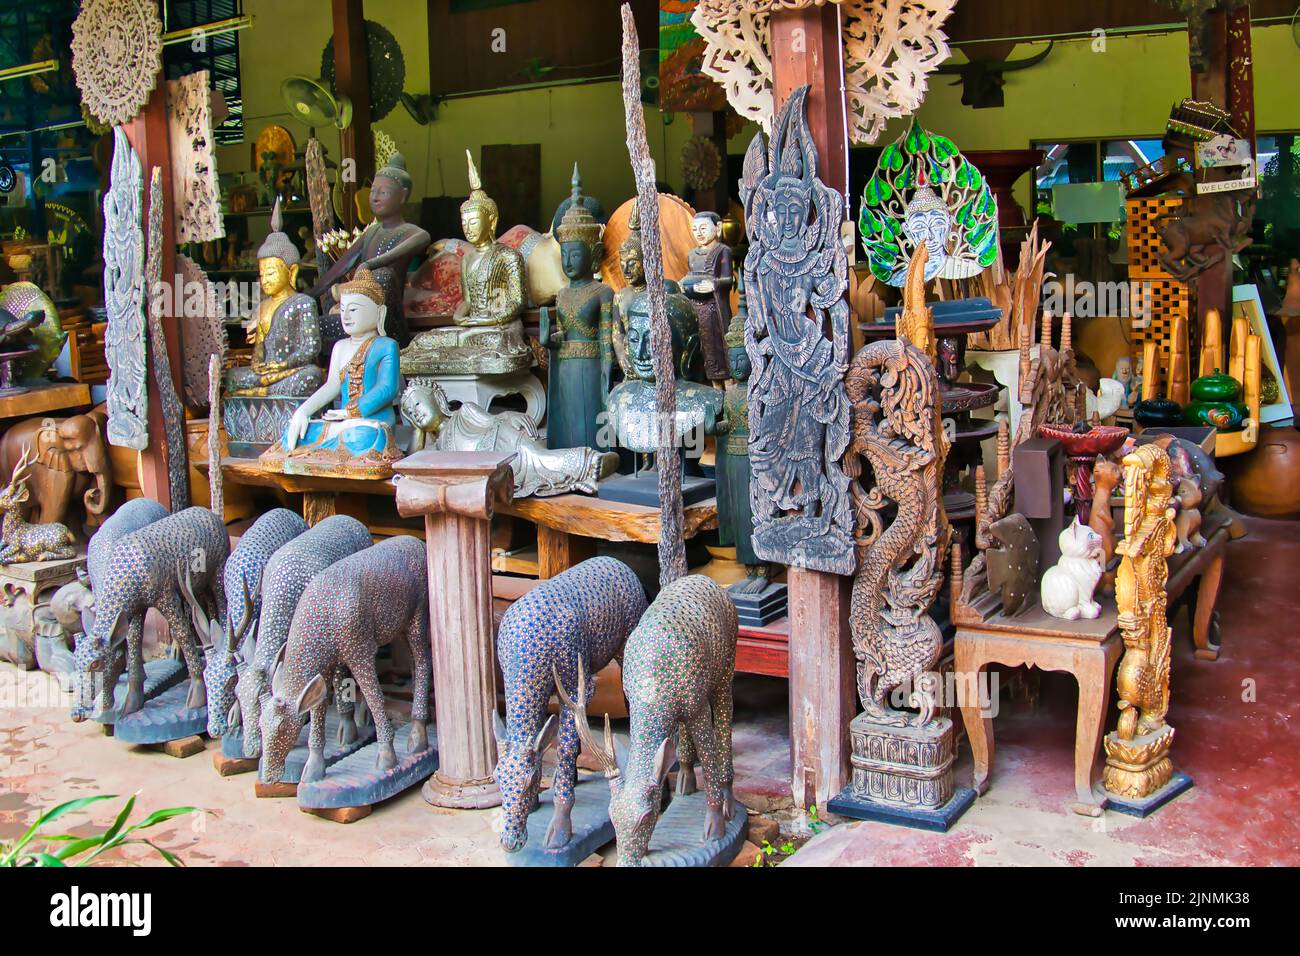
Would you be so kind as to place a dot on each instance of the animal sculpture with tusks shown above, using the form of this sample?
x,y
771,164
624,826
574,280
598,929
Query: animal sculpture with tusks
x,y
678,666
283,582
581,617
131,516
347,612
228,643
142,574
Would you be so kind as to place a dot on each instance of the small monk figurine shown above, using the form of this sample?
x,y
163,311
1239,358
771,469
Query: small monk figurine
x,y
735,515
489,336
355,434
575,398
285,331
708,286
386,247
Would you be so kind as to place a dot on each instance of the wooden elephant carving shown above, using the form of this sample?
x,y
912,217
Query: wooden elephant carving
x,y
71,459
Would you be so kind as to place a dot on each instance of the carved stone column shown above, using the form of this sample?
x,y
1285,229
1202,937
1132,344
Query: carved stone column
x,y
456,492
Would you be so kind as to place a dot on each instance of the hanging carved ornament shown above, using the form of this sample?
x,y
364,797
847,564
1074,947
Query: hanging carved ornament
x,y
925,191
116,56
385,148
203,332
701,162
897,431
890,49
197,214
124,299
797,337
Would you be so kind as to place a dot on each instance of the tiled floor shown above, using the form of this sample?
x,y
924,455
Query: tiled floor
x,y
1241,752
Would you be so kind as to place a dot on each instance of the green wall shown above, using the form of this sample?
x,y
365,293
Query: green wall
x,y
1075,94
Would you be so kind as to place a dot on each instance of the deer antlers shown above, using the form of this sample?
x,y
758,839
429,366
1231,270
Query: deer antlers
x,y
19,476
202,623
605,755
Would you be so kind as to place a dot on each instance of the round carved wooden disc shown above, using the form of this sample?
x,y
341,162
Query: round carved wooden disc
x,y
116,56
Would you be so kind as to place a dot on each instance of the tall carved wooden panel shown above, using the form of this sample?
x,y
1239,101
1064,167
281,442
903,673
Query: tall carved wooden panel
x,y
197,211
124,299
797,338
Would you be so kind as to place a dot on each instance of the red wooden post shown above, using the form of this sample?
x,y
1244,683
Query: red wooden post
x,y
456,492
148,136
808,50
352,79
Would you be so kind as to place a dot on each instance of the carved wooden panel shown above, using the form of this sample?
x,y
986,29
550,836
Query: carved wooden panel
x,y
172,412
197,213
124,299
116,57
203,334
797,338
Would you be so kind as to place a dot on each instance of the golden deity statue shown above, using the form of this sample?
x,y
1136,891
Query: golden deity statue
x,y
285,329
488,338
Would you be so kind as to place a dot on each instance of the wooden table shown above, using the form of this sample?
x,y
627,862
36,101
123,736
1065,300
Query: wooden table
x,y
320,495
1197,576
568,526
1087,649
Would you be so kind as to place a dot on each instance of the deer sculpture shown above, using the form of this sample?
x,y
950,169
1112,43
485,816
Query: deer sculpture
x,y
346,613
20,540
573,624
678,666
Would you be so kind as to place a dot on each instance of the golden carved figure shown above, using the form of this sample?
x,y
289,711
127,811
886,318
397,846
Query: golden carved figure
x,y
1137,752
489,335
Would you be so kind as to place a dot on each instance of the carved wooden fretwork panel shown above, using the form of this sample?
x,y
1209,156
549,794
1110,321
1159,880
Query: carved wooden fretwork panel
x,y
116,57
197,210
124,299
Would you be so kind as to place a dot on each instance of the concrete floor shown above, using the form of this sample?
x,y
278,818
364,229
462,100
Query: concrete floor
x,y
1242,755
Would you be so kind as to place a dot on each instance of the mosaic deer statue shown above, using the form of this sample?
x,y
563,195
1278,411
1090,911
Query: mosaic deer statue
x,y
20,540
573,623
678,666
228,643
142,574
284,579
346,613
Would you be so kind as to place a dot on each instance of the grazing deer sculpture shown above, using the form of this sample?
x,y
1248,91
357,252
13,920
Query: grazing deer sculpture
x,y
20,540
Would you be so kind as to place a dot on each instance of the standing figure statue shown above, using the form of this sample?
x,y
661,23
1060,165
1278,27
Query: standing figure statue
x,y
708,286
385,249
798,341
575,397
613,353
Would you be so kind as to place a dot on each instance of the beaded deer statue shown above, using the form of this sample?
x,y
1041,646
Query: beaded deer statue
x,y
20,540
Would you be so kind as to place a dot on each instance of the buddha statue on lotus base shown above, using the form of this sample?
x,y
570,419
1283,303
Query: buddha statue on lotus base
x,y
538,470
633,418
354,438
488,335
258,398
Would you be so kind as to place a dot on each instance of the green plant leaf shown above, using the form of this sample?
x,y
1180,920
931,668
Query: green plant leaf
x,y
158,816
53,814
78,846
121,819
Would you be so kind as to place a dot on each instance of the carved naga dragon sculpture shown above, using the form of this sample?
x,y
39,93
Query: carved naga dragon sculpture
x,y
894,392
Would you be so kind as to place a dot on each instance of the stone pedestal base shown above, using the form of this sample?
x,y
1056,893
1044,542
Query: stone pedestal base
x,y
760,608
255,424
1178,783
902,775
643,489
482,389
25,590
1137,768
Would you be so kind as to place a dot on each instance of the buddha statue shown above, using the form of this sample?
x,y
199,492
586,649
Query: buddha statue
x,y
708,286
927,220
488,337
633,416
575,397
538,470
632,265
385,248
285,329
354,436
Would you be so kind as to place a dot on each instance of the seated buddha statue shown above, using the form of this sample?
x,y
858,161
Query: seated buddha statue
x,y
488,335
285,330
385,248
355,433
538,470
633,409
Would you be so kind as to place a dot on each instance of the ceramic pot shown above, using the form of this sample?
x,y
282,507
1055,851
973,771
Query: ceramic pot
x,y
1266,481
1226,416
1158,412
1216,388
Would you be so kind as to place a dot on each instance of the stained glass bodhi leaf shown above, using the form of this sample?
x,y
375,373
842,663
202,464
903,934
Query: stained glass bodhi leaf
x,y
925,190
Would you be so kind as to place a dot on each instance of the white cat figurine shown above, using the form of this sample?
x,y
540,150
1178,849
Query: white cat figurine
x,y
1067,588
